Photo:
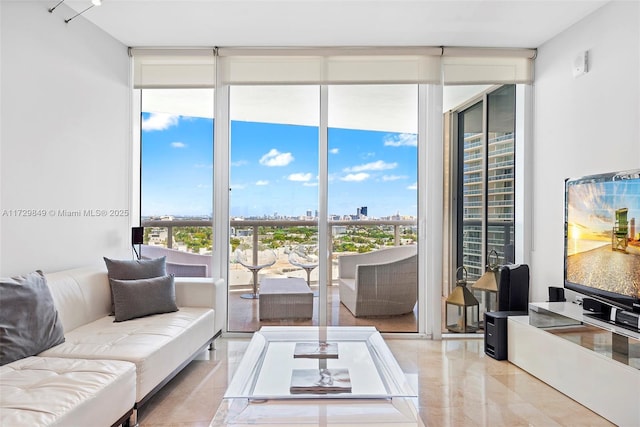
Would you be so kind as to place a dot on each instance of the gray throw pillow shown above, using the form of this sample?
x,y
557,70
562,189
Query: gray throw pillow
x,y
29,321
134,269
142,297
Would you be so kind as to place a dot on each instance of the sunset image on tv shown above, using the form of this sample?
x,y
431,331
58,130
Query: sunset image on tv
x,y
603,235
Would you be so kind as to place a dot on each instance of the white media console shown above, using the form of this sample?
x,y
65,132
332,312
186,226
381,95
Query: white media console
x,y
594,362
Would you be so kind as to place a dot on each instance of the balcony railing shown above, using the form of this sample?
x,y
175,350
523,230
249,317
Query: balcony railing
x,y
255,225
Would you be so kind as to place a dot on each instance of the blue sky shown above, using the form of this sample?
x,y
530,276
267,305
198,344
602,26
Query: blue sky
x,y
592,206
274,169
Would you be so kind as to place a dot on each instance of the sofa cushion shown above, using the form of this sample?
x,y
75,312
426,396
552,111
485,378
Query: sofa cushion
x,y
142,297
157,344
43,391
29,321
125,269
135,269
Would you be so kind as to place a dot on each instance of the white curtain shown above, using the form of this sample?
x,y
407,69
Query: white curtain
x,y
173,68
196,68
253,66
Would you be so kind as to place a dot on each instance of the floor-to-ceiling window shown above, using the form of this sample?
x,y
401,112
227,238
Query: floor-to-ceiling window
x,y
363,116
274,180
372,196
484,139
176,178
273,192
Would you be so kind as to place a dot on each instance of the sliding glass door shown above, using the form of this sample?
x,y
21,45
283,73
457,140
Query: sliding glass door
x,y
372,205
273,194
372,199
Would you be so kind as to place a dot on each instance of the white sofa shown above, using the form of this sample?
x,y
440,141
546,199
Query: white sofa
x,y
379,283
105,370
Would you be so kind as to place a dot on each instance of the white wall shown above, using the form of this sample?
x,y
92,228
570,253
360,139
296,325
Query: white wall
x,y
65,140
583,125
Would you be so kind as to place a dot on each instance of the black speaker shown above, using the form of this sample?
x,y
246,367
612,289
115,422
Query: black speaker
x,y
556,294
495,332
513,287
595,306
137,235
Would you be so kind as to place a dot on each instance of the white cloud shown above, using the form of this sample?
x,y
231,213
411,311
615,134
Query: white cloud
x,y
239,163
355,177
380,165
178,144
262,182
393,177
203,166
334,151
276,158
401,140
303,177
413,186
159,121
310,184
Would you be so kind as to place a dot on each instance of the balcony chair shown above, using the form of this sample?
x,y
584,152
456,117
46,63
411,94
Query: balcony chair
x,y
254,262
380,283
179,263
306,258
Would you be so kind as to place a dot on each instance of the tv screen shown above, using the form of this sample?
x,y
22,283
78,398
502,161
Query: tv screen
x,y
602,237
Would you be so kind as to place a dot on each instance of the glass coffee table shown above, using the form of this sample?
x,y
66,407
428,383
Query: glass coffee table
x,y
354,380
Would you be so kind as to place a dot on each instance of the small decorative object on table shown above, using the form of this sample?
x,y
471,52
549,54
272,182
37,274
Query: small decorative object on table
x,y
320,381
316,350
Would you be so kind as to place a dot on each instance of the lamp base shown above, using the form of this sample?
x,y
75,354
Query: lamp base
x,y
463,330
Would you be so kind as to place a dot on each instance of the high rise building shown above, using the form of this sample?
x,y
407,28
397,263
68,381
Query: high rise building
x,y
487,164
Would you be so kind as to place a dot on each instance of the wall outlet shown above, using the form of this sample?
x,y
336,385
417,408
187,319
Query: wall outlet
x,y
581,64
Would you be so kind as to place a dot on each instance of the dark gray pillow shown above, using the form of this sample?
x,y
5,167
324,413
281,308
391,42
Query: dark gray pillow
x,y
131,269
29,321
142,297
125,269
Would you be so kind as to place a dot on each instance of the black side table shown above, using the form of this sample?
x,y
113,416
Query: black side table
x,y
495,332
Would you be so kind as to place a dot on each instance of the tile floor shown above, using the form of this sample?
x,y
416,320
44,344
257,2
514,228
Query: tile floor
x,y
457,384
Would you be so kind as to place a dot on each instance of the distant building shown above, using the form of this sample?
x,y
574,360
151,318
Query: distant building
x,y
339,230
495,159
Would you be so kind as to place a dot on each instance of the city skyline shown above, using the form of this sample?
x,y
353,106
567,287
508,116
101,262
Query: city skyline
x,y
274,168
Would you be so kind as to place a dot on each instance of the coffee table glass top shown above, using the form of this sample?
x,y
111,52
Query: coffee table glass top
x,y
266,370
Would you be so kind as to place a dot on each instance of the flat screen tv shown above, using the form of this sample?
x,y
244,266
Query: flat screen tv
x,y
602,237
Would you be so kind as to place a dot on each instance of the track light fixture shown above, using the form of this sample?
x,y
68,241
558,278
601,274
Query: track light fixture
x,y
54,7
78,14
93,3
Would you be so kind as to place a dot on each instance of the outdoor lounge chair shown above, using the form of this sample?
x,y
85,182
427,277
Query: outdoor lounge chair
x,y
380,283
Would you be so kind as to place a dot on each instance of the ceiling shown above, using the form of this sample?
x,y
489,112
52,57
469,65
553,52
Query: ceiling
x,y
205,23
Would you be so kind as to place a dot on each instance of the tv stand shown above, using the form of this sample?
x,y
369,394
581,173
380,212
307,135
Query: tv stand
x,y
595,362
602,317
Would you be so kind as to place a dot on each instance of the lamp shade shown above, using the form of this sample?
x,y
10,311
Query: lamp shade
x,y
462,296
487,282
